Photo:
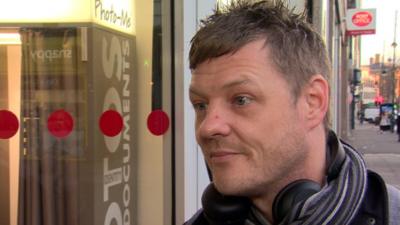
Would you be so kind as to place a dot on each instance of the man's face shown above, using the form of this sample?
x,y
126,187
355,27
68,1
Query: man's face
x,y
248,125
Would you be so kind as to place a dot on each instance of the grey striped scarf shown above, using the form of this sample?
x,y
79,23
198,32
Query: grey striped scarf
x,y
337,202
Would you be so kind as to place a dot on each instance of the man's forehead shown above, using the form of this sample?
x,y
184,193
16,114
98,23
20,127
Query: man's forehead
x,y
205,85
246,51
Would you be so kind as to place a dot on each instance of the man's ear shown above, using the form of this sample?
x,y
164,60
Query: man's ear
x,y
316,94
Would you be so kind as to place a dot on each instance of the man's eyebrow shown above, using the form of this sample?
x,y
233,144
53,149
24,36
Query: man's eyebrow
x,y
238,82
228,85
194,91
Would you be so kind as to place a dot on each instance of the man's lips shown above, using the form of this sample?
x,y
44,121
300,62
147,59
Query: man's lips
x,y
222,156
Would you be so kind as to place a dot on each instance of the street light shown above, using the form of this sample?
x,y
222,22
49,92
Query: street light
x,y
394,45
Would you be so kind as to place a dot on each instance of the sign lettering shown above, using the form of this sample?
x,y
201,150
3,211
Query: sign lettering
x,y
110,15
115,55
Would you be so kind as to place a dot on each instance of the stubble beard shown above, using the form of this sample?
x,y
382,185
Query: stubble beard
x,y
286,165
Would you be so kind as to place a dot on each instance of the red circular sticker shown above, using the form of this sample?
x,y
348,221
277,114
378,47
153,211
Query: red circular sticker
x,y
158,122
60,123
8,124
111,123
362,19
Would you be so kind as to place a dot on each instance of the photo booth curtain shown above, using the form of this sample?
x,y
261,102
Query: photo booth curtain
x,y
49,166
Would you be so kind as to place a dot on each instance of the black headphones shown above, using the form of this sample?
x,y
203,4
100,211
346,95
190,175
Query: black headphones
x,y
220,209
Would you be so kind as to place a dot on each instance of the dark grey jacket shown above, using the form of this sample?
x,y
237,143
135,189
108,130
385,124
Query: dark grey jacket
x,y
381,205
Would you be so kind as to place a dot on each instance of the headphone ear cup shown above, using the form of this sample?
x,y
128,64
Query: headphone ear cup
x,y
222,209
292,194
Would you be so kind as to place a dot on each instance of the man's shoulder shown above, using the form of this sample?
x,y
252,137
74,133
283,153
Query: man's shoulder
x,y
381,202
376,183
390,195
394,204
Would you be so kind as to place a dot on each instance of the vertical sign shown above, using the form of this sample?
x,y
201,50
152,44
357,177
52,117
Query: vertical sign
x,y
113,80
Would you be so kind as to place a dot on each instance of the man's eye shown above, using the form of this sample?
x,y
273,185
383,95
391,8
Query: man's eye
x,y
200,106
242,100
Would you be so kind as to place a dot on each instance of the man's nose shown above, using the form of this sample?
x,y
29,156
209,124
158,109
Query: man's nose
x,y
215,123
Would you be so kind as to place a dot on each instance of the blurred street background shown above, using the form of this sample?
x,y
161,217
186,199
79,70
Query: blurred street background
x,y
381,150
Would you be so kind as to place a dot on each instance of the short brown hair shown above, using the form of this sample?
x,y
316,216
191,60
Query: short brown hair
x,y
298,51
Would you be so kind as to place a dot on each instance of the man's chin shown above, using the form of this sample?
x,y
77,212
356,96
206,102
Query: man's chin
x,y
228,187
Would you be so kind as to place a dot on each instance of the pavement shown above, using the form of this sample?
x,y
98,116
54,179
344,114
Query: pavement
x,y
381,151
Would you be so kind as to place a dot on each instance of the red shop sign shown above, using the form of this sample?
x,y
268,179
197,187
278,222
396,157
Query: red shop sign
x,y
362,18
360,21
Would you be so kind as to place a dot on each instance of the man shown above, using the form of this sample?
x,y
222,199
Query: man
x,y
260,93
